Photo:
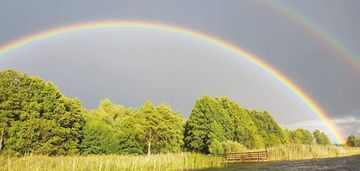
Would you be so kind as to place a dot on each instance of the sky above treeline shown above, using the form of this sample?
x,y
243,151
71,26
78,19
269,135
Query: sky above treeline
x,y
130,66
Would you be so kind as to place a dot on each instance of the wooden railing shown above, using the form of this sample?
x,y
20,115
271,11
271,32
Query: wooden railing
x,y
255,156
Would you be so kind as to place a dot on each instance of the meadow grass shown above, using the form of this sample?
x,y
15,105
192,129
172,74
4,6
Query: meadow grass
x,y
179,161
302,151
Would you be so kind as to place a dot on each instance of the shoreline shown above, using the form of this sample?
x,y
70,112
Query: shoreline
x,y
172,161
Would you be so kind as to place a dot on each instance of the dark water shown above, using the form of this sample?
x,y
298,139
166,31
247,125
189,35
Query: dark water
x,y
342,164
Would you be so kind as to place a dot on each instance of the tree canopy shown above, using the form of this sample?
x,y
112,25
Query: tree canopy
x,y
245,131
321,138
269,130
36,118
101,133
208,122
300,136
353,141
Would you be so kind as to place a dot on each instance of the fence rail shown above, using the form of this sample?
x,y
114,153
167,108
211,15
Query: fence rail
x,y
254,156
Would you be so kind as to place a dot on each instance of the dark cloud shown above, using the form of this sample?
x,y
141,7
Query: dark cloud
x,y
286,45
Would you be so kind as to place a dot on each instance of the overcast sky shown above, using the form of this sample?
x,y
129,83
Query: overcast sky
x,y
130,66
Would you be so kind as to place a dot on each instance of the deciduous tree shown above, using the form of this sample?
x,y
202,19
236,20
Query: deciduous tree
x,y
36,117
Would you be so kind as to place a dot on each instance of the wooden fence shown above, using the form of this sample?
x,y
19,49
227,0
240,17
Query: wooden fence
x,y
255,156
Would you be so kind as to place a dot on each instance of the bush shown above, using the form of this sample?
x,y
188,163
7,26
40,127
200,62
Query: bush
x,y
233,147
216,148
220,148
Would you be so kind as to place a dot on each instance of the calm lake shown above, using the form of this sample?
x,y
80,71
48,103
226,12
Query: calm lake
x,y
344,163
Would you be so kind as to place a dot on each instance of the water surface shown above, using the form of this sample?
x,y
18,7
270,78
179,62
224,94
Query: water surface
x,y
342,164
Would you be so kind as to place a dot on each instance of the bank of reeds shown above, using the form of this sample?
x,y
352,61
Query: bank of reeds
x,y
302,151
180,161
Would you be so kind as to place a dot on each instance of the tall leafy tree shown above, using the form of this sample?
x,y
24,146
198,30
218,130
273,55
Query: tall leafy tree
x,y
269,130
102,129
301,136
353,141
99,138
208,121
154,130
321,138
36,117
245,130
174,130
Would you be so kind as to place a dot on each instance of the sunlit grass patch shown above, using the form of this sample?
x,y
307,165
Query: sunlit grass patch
x,y
302,151
179,161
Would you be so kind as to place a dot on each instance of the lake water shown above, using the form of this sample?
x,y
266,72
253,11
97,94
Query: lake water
x,y
342,164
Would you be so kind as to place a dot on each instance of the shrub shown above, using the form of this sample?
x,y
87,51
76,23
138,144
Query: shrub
x,y
233,147
216,148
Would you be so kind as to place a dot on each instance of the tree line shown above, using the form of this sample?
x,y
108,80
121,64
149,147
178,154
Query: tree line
x,y
352,141
36,118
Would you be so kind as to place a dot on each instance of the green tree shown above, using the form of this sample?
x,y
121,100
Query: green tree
x,y
153,130
208,121
36,118
99,138
111,113
269,130
102,129
131,137
226,147
293,138
352,141
173,129
216,148
245,130
301,136
233,147
321,138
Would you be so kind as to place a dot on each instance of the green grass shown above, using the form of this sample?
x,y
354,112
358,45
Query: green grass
x,y
180,161
301,151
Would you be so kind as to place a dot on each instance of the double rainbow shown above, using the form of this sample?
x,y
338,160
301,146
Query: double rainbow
x,y
207,38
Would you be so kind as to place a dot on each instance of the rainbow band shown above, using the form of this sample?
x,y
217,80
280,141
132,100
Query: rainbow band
x,y
207,38
319,33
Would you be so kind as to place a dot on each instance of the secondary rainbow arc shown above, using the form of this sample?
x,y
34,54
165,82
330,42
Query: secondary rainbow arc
x,y
170,28
344,53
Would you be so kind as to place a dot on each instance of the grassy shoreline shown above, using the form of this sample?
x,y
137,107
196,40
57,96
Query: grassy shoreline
x,y
177,161
301,152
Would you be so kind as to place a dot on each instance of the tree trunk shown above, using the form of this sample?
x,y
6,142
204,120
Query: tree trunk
x,y
149,148
149,144
1,139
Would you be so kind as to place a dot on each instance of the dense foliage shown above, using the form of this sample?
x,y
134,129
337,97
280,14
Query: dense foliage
x,y
269,130
208,122
300,136
220,148
245,130
36,118
353,141
153,130
101,133
116,129
321,138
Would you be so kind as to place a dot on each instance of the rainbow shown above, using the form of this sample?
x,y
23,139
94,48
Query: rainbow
x,y
207,38
319,33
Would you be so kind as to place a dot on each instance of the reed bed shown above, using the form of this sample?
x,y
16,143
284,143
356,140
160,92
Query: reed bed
x,y
180,161
302,151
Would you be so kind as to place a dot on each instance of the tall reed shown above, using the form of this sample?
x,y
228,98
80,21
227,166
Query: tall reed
x,y
180,161
302,151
